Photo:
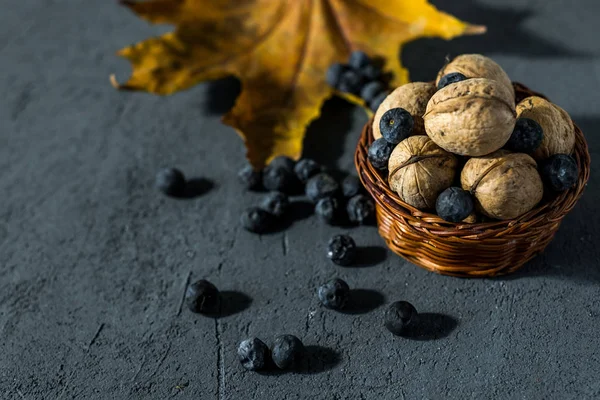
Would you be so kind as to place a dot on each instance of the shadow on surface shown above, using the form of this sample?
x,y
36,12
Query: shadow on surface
x,y
362,301
196,187
221,95
319,359
369,256
432,326
233,302
506,34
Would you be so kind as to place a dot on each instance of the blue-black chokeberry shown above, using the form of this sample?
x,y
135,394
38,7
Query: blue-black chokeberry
x,y
351,186
450,78
351,82
279,178
371,72
283,161
396,125
400,317
287,351
253,354
379,153
170,181
250,178
371,90
275,203
256,220
360,209
341,249
327,209
526,137
320,186
559,172
202,297
334,294
376,102
454,204
334,74
306,168
358,60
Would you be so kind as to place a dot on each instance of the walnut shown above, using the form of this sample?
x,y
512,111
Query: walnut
x,y
472,117
478,66
419,171
505,185
559,131
413,97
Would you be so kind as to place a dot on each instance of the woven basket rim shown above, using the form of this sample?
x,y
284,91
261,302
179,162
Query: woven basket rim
x,y
547,212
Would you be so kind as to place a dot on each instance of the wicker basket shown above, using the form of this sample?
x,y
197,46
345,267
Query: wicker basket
x,y
461,249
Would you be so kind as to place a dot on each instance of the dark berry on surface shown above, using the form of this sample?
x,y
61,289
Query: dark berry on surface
x,y
454,204
376,102
396,125
526,137
202,297
334,74
287,351
253,354
327,209
371,90
450,78
275,203
279,178
400,317
306,168
334,294
351,82
360,209
358,60
250,178
320,186
256,220
284,162
379,153
559,172
351,186
370,72
170,181
341,249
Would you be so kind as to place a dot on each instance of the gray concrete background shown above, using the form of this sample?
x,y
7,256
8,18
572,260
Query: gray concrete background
x,y
93,262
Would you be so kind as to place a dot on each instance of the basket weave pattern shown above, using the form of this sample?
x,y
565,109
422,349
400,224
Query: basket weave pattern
x,y
461,249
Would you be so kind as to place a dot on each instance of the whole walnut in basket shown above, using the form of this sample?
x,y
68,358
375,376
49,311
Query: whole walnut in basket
x,y
412,97
559,131
505,185
478,66
473,117
419,170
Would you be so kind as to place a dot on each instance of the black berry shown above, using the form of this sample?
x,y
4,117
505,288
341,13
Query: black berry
x,y
284,162
334,294
559,172
253,354
202,297
341,249
359,59
256,220
320,186
379,153
287,350
351,186
371,72
526,137
400,317
454,204
376,102
351,82
371,90
450,78
170,181
306,168
275,203
334,74
396,125
250,178
327,209
360,209
279,178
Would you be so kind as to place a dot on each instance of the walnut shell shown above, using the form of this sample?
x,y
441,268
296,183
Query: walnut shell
x,y
413,97
472,117
420,170
559,131
505,185
478,66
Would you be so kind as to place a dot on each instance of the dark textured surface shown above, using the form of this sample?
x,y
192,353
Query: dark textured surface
x,y
94,262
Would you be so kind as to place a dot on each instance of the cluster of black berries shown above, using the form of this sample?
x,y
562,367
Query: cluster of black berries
x,y
360,77
283,176
286,353
395,126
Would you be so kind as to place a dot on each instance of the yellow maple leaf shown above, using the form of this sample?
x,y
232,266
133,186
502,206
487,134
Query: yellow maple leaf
x,y
279,50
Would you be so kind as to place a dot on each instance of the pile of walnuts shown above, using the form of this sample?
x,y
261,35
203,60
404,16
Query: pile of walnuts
x,y
463,147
